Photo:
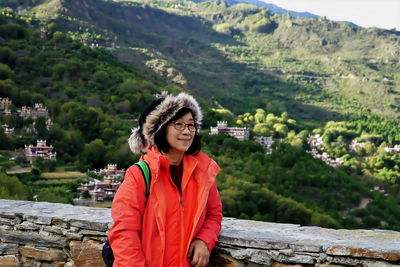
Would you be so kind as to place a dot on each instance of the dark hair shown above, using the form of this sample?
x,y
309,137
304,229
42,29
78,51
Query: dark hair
x,y
160,138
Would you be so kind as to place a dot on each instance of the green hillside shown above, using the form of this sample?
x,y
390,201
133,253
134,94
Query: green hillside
x,y
243,56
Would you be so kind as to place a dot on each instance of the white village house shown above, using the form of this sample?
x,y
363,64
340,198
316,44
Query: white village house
x,y
240,133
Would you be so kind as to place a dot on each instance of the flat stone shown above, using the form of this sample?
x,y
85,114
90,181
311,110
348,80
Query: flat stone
x,y
6,249
43,254
96,233
363,253
348,261
4,221
102,239
89,225
27,226
8,215
304,247
31,238
86,253
305,259
251,243
11,215
6,227
9,261
38,219
279,264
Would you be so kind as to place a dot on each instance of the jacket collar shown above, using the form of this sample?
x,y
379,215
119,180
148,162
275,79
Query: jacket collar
x,y
157,161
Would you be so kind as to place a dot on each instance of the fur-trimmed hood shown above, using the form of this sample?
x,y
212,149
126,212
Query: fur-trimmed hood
x,y
143,136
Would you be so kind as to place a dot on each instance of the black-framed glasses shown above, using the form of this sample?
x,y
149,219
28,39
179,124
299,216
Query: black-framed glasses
x,y
180,126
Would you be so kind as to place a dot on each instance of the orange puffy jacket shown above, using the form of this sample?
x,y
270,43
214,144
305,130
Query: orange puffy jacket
x,y
159,232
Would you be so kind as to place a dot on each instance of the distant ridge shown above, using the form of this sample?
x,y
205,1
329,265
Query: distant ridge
x,y
274,8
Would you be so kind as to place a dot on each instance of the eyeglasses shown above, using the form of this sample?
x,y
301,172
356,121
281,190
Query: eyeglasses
x,y
180,126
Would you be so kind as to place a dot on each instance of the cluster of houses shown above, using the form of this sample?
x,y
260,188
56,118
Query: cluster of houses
x,y
31,152
100,190
38,110
315,142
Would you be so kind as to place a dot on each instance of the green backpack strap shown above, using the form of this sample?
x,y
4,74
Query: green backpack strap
x,y
146,175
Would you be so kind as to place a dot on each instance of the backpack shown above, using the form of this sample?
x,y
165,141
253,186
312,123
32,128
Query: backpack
x,y
107,253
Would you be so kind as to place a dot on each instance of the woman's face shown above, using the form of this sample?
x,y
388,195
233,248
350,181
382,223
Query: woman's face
x,y
180,140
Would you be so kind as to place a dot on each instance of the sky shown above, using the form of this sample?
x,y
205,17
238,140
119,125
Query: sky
x,y
366,13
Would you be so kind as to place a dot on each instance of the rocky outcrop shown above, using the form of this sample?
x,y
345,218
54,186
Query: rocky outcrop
x,y
48,234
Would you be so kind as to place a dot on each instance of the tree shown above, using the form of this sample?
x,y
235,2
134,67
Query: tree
x,y
12,188
94,154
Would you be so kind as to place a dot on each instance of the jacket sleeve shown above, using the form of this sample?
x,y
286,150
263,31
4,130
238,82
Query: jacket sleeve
x,y
212,223
127,211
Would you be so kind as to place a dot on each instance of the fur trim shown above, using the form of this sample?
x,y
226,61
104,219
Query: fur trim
x,y
137,142
166,110
143,137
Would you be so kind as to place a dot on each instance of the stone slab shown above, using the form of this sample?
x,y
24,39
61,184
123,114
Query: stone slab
x,y
9,261
31,238
43,253
6,249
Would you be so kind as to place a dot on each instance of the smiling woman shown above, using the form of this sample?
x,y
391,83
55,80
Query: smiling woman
x,y
183,211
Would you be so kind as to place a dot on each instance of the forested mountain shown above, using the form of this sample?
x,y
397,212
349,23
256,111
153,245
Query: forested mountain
x,y
242,56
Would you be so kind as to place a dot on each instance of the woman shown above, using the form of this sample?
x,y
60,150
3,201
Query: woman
x,y
179,223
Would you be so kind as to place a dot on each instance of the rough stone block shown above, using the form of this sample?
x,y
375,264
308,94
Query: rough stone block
x,y
49,234
70,264
31,238
10,215
60,223
349,261
4,221
53,229
27,226
38,219
86,253
363,253
43,254
222,260
53,264
27,262
73,236
102,239
6,249
278,264
74,229
9,261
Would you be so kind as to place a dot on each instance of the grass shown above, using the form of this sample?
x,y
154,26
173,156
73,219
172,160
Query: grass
x,y
62,175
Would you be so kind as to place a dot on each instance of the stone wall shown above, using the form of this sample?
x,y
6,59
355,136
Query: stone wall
x,y
47,234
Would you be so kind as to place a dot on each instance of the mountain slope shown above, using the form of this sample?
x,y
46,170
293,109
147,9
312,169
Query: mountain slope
x,y
243,56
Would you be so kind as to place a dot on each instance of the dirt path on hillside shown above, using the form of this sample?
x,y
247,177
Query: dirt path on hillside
x,y
363,204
